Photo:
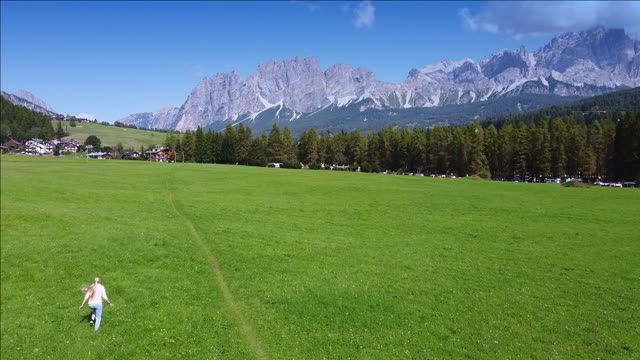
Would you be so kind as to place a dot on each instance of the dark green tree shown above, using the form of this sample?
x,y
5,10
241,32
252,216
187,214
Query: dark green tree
x,y
243,146
188,146
258,151
491,148
627,148
291,149
93,141
229,143
276,147
118,150
59,131
199,146
521,150
478,164
543,155
308,147
558,140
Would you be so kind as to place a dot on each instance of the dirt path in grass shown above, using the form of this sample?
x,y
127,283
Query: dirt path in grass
x,y
246,329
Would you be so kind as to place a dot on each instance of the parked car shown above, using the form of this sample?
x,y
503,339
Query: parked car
x,y
552,181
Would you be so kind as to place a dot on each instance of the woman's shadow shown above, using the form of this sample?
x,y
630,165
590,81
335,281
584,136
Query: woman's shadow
x,y
85,318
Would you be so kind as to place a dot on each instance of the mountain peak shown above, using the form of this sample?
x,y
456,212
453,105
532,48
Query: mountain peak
x,y
522,51
596,32
600,32
33,99
445,65
598,29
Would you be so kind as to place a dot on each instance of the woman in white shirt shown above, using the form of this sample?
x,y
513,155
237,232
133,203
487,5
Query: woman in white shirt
x,y
95,294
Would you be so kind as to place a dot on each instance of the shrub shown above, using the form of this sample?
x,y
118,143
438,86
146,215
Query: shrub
x,y
576,184
291,165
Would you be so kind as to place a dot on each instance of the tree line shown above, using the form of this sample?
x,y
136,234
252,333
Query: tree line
x,y
579,140
606,145
18,122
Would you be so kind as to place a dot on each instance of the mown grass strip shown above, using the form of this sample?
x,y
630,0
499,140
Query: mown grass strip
x,y
246,329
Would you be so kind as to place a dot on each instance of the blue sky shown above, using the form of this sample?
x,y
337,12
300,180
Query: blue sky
x,y
115,58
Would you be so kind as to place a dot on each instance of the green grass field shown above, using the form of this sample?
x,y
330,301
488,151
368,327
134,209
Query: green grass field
x,y
231,262
111,135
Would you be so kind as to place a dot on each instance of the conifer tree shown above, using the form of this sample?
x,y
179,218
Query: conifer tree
x,y
558,139
59,131
276,148
491,148
478,161
243,146
521,151
257,151
599,147
199,146
290,148
543,167
308,147
573,146
188,146
208,150
229,143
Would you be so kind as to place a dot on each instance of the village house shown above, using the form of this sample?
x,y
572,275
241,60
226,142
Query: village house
x,y
70,145
38,147
99,155
131,155
13,145
162,154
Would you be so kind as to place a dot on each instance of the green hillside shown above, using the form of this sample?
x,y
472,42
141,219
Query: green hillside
x,y
111,135
230,262
591,108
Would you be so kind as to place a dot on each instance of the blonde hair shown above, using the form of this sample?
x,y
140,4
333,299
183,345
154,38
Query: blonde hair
x,y
89,290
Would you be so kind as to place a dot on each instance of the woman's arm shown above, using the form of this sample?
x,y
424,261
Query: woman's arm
x,y
86,296
104,296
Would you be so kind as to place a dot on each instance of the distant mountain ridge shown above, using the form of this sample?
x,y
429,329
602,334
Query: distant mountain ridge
x,y
28,100
33,99
587,63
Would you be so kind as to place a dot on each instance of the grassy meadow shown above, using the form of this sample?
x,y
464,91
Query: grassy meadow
x,y
111,135
229,262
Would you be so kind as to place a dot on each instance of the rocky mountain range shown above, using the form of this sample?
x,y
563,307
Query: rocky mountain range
x,y
572,64
30,101
24,94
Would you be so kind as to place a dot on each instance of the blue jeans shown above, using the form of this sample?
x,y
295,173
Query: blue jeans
x,y
96,309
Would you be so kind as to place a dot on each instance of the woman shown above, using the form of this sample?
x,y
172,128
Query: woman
x,y
95,294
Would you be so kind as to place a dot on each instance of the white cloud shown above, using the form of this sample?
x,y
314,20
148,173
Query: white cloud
x,y
86,116
364,15
532,18
308,5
